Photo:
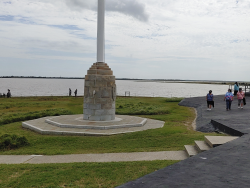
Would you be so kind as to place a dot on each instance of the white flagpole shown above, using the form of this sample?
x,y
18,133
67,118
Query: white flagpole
x,y
101,31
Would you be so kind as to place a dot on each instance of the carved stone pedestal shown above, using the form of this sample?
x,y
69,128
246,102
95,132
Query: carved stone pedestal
x,y
99,93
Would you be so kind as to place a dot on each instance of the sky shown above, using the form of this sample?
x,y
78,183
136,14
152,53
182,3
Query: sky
x,y
146,39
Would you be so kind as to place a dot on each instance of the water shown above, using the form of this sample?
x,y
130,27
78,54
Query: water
x,y
60,87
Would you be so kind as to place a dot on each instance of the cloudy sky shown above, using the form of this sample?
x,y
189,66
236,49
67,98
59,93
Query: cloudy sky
x,y
165,39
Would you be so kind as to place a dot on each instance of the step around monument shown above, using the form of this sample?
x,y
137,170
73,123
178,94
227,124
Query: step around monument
x,y
42,127
214,141
201,146
102,124
191,150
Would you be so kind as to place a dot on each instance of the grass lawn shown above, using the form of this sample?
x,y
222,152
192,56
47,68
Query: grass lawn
x,y
76,174
176,133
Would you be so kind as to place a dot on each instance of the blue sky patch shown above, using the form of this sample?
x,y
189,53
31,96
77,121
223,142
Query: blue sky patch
x,y
25,20
6,18
83,36
69,27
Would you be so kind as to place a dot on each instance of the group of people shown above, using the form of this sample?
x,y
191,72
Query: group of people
x,y
8,94
229,97
75,92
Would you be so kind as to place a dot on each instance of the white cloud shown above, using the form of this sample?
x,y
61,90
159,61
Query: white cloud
x,y
158,39
128,7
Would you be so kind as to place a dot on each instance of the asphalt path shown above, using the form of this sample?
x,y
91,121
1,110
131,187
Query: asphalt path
x,y
227,165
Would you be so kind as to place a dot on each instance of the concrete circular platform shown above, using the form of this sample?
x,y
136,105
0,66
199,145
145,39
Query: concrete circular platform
x,y
75,125
74,121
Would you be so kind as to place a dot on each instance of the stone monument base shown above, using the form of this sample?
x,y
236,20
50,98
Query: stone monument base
x,y
75,125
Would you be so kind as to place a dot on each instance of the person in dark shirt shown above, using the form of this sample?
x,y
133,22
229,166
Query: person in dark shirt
x,y
69,92
8,94
210,100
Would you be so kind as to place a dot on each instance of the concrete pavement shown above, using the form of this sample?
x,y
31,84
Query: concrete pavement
x,y
105,157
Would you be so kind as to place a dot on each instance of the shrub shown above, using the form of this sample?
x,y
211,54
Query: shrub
x,y
8,142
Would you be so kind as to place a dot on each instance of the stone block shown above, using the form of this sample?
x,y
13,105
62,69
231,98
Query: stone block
x,y
110,111
89,100
97,95
106,93
104,72
100,112
96,89
90,92
89,112
112,116
92,72
101,83
101,77
103,68
105,77
95,106
95,118
112,78
103,100
113,93
99,72
89,83
86,92
86,116
105,117
111,83
93,68
90,77
107,106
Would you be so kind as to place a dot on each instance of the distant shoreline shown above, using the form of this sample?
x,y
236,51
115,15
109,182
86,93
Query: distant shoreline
x,y
144,80
47,77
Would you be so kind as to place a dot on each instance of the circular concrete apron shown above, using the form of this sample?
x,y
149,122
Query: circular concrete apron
x,y
75,125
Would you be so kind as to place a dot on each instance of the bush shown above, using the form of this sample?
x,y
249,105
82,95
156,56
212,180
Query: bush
x,y
8,142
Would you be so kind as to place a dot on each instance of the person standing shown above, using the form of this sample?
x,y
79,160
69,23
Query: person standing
x,y
236,88
8,94
210,100
240,96
75,92
229,97
69,92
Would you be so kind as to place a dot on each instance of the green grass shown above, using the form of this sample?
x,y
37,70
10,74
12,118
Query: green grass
x,y
176,132
88,175
21,109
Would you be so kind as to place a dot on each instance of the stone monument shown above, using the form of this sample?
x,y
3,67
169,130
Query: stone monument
x,y
99,103
99,87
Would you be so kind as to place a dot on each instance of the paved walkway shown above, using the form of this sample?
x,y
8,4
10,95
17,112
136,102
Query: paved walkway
x,y
227,165
106,157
